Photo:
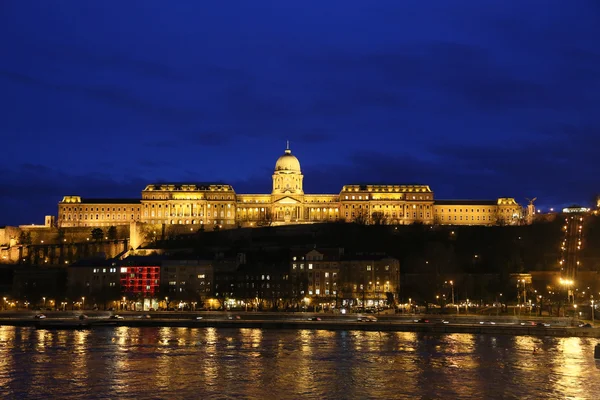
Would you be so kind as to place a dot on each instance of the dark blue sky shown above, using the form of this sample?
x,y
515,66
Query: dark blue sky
x,y
477,99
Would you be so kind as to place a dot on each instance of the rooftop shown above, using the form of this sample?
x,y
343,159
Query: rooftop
x,y
466,202
387,187
189,186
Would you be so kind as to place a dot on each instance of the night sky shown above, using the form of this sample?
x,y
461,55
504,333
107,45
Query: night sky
x,y
478,99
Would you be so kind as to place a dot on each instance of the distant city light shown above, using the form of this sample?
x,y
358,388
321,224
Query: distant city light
x,y
575,210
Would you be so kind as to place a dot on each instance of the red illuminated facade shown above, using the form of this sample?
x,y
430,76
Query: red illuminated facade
x,y
142,280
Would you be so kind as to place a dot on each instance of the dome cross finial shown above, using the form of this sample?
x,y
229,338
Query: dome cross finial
x,y
287,144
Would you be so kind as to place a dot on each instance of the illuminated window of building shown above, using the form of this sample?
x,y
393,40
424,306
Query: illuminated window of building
x,y
310,266
368,268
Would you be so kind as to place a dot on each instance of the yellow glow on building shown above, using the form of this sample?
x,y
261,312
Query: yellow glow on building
x,y
217,204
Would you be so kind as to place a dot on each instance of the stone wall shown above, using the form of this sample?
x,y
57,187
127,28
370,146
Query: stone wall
x,y
7,233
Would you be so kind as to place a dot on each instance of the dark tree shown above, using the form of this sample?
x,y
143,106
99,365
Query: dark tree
x,y
379,218
266,220
389,296
361,218
112,233
97,234
25,238
60,235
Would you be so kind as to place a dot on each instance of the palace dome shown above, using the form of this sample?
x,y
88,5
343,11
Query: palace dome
x,y
287,162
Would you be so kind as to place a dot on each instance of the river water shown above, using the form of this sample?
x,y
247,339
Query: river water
x,y
191,363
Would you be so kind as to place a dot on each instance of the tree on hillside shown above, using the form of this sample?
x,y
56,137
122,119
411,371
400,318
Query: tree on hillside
x,y
112,233
25,238
266,220
97,234
361,218
379,218
60,235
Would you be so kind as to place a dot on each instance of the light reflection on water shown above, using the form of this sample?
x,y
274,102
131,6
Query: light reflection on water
x,y
182,363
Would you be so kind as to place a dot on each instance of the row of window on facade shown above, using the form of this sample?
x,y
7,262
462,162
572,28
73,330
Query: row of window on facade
x,y
460,218
97,278
110,270
193,205
318,292
208,214
366,197
192,222
330,265
166,197
407,206
317,275
490,210
84,217
393,215
99,209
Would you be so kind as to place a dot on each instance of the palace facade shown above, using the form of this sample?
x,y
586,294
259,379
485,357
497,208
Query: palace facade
x,y
217,204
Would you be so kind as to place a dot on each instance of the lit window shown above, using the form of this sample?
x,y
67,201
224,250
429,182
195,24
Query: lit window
x,y
310,266
123,270
201,276
368,267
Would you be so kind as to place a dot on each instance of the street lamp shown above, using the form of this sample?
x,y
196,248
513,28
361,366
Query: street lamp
x,y
43,298
567,283
83,303
592,311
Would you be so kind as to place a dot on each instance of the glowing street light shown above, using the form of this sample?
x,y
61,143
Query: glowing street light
x,y
83,303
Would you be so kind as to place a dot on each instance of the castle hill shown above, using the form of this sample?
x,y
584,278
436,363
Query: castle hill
x,y
385,248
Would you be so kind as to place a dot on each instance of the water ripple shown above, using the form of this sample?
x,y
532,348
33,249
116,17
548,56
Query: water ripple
x,y
183,363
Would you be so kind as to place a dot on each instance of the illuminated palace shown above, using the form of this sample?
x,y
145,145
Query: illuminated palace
x,y
216,204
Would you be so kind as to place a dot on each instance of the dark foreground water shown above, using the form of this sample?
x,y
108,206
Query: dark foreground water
x,y
184,363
